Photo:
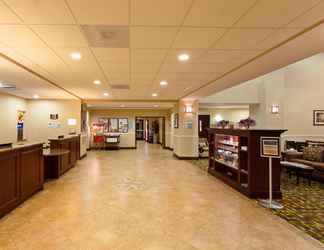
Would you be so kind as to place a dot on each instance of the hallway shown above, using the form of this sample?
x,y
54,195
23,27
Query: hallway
x,y
144,199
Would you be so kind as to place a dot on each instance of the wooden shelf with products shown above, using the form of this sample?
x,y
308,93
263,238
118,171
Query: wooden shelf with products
x,y
234,157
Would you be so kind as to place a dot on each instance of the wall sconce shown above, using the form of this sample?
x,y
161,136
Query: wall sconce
x,y
188,109
72,122
275,109
218,118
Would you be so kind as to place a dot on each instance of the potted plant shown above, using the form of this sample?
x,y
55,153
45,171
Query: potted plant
x,y
222,123
247,123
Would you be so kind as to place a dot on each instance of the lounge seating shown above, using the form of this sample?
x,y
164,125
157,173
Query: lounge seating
x,y
203,148
313,156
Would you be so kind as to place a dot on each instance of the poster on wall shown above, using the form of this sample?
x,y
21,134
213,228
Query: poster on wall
x,y
123,125
270,147
176,121
113,125
318,117
54,116
20,125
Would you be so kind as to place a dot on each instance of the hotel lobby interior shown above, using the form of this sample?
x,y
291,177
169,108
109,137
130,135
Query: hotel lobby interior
x,y
166,124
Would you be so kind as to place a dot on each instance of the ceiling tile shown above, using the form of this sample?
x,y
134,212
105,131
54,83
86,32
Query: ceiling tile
x,y
217,13
309,18
61,35
197,38
100,12
149,37
7,16
242,38
225,56
275,13
45,58
277,37
145,68
194,68
172,55
166,12
19,36
115,67
112,55
42,12
142,76
148,55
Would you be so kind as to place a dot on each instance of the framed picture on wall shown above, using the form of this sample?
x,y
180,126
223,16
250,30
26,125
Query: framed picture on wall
x,y
113,125
123,125
318,117
176,121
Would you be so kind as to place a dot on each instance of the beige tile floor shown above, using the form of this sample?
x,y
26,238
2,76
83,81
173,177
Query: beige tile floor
x,y
144,199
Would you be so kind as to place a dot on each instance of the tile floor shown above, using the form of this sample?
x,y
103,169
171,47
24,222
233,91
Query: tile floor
x,y
144,199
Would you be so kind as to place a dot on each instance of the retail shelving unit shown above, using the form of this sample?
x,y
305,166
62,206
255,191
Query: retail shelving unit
x,y
234,157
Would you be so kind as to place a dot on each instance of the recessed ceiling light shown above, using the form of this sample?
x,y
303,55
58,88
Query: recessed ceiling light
x,y
97,82
163,83
76,55
35,96
106,94
155,106
154,94
183,57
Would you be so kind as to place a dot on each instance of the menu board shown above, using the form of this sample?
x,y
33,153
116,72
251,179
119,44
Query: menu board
x,y
270,147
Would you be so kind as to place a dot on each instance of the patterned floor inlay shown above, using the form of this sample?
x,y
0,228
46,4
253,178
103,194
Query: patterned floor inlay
x,y
303,204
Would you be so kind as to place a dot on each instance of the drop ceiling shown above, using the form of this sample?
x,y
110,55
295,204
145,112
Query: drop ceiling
x,y
136,42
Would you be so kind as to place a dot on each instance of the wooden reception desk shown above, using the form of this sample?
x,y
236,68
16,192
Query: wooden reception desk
x,y
72,145
21,174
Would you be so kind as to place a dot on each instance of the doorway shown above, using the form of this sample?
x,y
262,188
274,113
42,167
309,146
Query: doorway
x,y
203,124
150,129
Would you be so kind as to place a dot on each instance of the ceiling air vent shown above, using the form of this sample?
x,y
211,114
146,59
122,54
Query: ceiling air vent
x,y
100,36
119,86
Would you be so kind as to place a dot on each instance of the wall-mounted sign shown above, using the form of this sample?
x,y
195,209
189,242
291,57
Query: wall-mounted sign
x,y
54,124
188,125
270,147
20,125
176,120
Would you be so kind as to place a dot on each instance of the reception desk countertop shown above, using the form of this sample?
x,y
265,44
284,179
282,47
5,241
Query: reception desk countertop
x,y
20,145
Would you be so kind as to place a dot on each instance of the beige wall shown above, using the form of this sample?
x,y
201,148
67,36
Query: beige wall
x,y
39,115
298,89
36,118
185,140
9,106
128,139
234,115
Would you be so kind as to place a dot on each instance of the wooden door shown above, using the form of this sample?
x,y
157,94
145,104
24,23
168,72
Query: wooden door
x,y
203,124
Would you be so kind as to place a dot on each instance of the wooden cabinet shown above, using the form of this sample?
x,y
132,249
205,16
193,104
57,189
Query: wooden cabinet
x,y
234,157
56,162
32,176
72,144
21,175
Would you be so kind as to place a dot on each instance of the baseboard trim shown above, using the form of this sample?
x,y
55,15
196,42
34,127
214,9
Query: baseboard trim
x,y
83,156
185,157
168,148
127,147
